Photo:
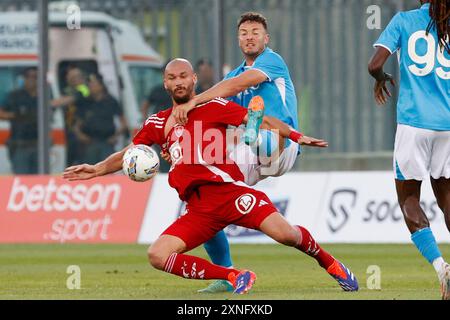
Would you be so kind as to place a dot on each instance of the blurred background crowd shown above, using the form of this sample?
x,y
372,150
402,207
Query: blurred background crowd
x,y
326,45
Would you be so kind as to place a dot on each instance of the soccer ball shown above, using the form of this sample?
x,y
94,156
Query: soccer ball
x,y
140,163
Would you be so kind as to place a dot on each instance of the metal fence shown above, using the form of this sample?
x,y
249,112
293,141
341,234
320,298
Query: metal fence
x,y
325,43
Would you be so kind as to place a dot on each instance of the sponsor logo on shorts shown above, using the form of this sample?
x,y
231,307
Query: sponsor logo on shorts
x,y
234,231
245,203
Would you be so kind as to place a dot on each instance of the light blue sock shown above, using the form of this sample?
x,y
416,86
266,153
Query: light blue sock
x,y
269,143
218,250
426,243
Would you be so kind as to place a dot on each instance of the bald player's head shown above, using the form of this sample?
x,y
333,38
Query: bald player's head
x,y
180,80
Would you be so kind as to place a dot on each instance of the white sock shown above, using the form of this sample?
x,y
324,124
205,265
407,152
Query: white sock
x,y
438,265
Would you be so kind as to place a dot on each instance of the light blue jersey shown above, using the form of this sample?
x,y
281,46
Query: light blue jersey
x,y
424,100
277,91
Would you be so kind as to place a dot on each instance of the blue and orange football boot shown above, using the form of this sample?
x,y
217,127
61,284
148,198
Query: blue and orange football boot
x,y
343,276
255,117
243,281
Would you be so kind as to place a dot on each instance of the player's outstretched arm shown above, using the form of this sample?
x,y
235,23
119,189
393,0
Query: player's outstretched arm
x,y
87,171
224,89
271,123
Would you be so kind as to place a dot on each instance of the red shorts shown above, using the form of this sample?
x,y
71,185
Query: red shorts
x,y
216,206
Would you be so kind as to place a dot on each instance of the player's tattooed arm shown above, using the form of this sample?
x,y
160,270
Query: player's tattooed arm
x,y
224,89
231,87
88,171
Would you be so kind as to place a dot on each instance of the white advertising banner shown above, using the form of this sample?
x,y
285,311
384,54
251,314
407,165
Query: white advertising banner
x,y
353,207
162,210
362,207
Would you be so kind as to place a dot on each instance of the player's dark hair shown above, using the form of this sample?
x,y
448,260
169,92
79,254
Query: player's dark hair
x,y
253,17
440,19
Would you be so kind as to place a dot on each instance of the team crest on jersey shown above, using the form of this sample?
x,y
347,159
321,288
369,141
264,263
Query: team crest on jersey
x,y
245,203
176,153
179,131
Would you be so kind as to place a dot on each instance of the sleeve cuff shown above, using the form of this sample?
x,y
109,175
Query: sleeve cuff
x,y
267,76
383,46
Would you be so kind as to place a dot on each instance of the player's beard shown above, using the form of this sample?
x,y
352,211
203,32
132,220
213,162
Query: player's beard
x,y
182,99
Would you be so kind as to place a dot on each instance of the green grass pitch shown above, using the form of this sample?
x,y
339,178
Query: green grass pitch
x,y
122,272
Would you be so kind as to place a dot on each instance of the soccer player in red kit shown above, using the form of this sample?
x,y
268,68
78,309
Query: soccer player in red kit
x,y
212,185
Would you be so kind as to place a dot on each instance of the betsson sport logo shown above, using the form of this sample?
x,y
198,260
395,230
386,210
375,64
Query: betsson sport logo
x,y
50,209
53,197
41,209
83,211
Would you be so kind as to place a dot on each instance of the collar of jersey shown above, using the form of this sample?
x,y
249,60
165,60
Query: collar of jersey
x,y
425,6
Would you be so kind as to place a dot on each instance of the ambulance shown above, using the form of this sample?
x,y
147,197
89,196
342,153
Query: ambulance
x,y
114,48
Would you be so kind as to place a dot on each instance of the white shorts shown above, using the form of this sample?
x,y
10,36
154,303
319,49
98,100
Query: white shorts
x,y
254,171
421,153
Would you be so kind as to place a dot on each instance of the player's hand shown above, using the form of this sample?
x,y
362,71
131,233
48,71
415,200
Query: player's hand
x,y
312,142
381,89
166,156
80,172
180,113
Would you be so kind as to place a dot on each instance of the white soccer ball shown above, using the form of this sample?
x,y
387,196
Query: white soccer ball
x,y
140,163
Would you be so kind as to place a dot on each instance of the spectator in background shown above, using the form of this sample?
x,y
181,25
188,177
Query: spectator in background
x,y
95,127
21,110
157,100
205,75
75,95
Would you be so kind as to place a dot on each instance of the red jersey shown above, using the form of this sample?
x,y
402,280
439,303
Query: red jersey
x,y
197,149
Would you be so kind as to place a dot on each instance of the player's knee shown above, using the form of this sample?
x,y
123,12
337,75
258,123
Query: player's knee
x,y
407,202
157,258
416,220
414,216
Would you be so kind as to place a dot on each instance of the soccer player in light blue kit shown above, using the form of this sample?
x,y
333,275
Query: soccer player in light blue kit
x,y
263,73
422,143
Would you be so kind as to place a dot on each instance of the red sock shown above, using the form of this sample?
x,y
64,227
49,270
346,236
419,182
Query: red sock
x,y
191,267
312,249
